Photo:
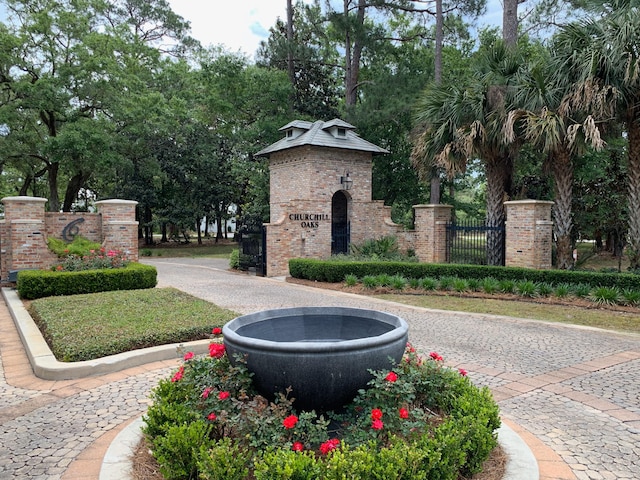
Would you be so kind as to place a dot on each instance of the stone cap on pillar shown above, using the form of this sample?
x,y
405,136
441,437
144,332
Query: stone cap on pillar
x,y
24,198
116,201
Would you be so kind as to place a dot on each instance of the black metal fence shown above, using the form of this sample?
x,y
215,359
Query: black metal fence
x,y
473,242
253,252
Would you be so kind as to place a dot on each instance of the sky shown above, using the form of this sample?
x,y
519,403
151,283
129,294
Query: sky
x,y
242,24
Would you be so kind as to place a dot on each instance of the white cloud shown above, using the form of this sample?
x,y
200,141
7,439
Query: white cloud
x,y
239,25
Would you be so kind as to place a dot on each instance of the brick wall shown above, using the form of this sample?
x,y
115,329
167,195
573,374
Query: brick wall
x,y
528,234
26,227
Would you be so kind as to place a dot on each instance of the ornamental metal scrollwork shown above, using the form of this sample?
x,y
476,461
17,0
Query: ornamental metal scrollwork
x,y
71,230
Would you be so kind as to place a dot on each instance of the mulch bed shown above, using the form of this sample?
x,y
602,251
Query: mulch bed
x,y
550,300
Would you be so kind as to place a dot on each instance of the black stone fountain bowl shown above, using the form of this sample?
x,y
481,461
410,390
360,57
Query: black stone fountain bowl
x,y
323,353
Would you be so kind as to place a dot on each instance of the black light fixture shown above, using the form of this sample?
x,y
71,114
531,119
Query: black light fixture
x,y
346,181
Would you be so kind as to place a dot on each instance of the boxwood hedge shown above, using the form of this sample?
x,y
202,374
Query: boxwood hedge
x,y
336,271
34,284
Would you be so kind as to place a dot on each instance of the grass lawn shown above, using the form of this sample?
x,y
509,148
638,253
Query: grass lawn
x,y
591,317
208,248
84,327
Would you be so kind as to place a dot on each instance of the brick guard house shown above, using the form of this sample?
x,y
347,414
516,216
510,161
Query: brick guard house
x,y
321,201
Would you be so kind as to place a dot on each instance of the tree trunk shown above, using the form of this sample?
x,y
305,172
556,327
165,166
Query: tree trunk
x,y
73,188
290,65
54,200
562,168
510,22
199,230
353,52
434,197
495,172
439,41
633,200
435,171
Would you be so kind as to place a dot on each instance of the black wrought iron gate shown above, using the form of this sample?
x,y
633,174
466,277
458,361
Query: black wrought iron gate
x,y
253,251
473,242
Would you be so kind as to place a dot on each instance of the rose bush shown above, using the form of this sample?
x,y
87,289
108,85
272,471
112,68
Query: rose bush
x,y
417,420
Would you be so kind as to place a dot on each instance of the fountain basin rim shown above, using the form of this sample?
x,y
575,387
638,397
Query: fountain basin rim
x,y
400,329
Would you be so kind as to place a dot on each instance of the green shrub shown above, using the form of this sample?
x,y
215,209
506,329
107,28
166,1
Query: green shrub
x,y
606,295
446,282
398,282
249,436
334,270
177,450
146,252
474,284
526,288
581,290
545,289
490,285
80,246
429,283
507,285
384,279
460,285
34,284
224,460
631,297
350,280
415,282
369,281
234,259
562,290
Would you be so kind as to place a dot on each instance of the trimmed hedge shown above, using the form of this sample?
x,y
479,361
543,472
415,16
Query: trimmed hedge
x,y
34,284
336,271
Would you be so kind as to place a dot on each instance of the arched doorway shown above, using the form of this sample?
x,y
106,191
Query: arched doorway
x,y
340,234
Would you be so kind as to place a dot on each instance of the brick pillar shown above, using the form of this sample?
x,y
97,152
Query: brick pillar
x,y
22,235
431,232
119,226
529,234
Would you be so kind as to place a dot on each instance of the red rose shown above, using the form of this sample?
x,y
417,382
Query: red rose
x,y
391,377
206,392
377,425
329,446
216,350
290,421
404,413
178,375
188,356
297,447
223,395
436,356
376,414
212,416
463,372
216,331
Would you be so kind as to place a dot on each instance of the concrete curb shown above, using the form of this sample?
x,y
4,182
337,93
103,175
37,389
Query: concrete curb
x,y
47,367
117,463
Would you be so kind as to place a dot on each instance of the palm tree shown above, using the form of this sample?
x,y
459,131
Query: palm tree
x,y
603,55
460,123
541,92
